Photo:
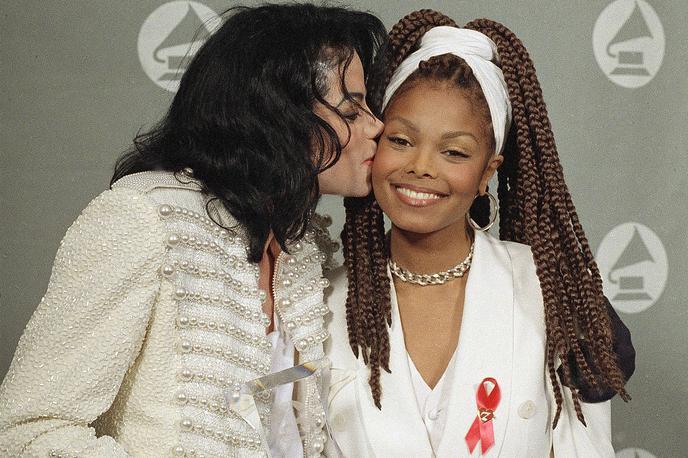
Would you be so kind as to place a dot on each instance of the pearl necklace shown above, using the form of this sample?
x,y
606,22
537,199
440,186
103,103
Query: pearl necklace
x,y
438,278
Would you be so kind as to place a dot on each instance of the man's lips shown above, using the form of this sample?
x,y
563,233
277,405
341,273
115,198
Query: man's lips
x,y
369,160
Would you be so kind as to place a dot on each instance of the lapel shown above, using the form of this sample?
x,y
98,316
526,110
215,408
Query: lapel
x,y
485,347
299,305
399,416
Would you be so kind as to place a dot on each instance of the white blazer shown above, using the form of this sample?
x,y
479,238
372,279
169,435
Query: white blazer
x,y
502,336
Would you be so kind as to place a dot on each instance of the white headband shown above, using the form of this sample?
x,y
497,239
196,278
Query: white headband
x,y
479,52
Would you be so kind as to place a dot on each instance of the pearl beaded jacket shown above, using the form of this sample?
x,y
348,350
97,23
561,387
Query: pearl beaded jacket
x,y
152,313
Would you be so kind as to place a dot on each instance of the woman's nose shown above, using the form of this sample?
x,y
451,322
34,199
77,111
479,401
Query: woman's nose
x,y
421,165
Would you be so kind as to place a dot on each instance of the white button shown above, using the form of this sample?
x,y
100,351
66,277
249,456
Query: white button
x,y
339,422
433,414
526,410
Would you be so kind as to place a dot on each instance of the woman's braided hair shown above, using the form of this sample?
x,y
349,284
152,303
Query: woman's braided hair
x,y
535,209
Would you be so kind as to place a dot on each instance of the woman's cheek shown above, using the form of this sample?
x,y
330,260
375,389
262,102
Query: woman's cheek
x,y
380,166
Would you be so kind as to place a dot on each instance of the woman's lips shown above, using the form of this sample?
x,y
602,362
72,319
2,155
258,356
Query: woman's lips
x,y
417,197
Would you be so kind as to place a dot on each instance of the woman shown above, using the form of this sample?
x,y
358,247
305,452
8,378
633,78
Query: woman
x,y
201,268
472,329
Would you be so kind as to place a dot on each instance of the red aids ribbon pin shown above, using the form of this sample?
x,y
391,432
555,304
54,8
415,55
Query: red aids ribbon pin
x,y
481,429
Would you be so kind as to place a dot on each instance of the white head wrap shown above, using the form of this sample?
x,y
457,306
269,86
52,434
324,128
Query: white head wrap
x,y
479,52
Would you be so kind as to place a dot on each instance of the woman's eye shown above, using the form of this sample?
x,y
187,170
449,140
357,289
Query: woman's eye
x,y
398,141
454,153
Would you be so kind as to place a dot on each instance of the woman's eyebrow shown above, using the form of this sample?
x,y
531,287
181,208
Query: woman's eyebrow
x,y
457,133
409,125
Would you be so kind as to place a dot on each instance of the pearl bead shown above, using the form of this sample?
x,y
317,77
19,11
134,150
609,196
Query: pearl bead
x,y
318,446
167,270
188,171
284,302
180,293
181,398
324,282
165,210
186,424
183,321
173,240
291,325
186,375
185,346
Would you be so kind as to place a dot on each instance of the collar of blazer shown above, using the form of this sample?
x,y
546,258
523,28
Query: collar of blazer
x,y
485,349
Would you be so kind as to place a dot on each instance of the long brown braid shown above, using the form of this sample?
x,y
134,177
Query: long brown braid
x,y
535,209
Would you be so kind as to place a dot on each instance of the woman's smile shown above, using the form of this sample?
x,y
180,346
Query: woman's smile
x,y
417,196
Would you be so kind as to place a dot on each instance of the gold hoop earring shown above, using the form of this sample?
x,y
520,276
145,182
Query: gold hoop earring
x,y
493,217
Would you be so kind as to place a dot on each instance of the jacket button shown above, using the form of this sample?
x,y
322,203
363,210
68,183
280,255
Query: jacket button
x,y
434,414
526,410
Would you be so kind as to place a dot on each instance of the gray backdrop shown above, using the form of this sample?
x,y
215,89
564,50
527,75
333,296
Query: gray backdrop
x,y
75,90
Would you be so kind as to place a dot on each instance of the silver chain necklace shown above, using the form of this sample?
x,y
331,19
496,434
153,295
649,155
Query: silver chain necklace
x,y
438,278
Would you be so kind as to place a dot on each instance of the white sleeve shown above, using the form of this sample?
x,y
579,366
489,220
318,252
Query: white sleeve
x,y
572,439
85,333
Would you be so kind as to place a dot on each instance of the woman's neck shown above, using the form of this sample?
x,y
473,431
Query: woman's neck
x,y
432,252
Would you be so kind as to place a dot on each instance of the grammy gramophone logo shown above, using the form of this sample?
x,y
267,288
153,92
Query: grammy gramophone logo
x,y
633,265
634,453
628,41
170,36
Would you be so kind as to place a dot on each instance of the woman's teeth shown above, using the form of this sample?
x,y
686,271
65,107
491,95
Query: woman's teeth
x,y
417,195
